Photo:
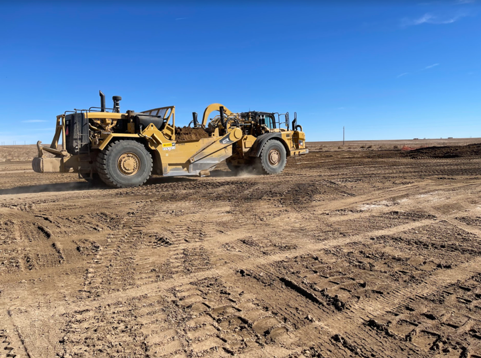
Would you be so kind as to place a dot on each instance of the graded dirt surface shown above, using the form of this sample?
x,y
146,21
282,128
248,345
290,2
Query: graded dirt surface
x,y
354,252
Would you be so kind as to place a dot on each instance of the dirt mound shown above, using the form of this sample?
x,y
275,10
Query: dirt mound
x,y
447,152
188,133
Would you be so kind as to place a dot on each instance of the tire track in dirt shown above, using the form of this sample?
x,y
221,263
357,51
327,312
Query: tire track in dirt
x,y
444,320
112,268
235,274
148,288
222,319
210,343
6,349
345,323
28,245
12,343
253,262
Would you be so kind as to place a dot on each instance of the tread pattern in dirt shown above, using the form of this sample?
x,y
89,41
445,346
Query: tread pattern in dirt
x,y
112,267
445,323
124,328
27,246
341,276
367,223
6,349
258,246
223,320
472,221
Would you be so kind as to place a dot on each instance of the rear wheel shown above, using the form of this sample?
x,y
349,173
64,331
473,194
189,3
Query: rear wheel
x,y
125,163
272,159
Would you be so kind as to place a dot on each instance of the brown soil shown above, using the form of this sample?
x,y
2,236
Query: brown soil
x,y
347,253
472,150
183,134
17,153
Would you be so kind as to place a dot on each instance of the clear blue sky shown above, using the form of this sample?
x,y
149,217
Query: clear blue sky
x,y
383,69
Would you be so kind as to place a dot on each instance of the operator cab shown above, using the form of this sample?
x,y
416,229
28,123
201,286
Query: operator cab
x,y
260,122
268,120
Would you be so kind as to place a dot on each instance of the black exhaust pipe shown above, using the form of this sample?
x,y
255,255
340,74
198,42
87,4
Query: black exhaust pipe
x,y
222,121
117,100
102,101
194,118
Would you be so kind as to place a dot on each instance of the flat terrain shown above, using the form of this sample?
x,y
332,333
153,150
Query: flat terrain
x,y
352,251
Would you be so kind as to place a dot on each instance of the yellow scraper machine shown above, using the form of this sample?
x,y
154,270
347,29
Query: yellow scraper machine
x,y
125,149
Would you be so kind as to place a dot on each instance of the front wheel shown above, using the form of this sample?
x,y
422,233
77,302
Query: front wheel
x,y
125,163
272,159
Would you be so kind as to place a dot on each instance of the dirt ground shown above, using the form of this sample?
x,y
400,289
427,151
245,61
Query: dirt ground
x,y
350,252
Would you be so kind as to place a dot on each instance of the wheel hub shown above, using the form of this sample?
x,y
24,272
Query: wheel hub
x,y
274,157
129,163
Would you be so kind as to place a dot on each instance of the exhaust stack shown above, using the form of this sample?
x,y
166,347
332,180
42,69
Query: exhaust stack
x,y
222,120
116,100
194,118
102,101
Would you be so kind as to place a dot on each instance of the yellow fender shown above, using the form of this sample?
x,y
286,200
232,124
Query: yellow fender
x,y
116,135
211,108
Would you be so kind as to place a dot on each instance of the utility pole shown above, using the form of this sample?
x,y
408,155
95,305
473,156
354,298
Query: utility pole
x,y
343,135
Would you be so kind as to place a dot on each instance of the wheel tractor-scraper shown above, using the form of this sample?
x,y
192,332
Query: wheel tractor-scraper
x,y
125,149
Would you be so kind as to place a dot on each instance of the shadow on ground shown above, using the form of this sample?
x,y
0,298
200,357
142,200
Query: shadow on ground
x,y
43,188
214,174
57,187
164,180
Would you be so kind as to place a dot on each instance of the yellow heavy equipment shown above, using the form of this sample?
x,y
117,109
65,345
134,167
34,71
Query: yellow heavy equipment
x,y
125,149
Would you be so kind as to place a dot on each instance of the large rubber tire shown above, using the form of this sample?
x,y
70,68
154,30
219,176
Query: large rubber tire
x,y
272,159
124,164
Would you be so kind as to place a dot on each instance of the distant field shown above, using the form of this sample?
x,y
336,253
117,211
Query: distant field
x,y
392,144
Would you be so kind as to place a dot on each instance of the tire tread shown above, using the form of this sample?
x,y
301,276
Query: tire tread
x,y
261,166
102,165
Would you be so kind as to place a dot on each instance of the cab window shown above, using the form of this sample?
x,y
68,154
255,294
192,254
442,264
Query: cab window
x,y
270,122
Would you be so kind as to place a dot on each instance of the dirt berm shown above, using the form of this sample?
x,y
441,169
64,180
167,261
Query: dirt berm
x,y
447,152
